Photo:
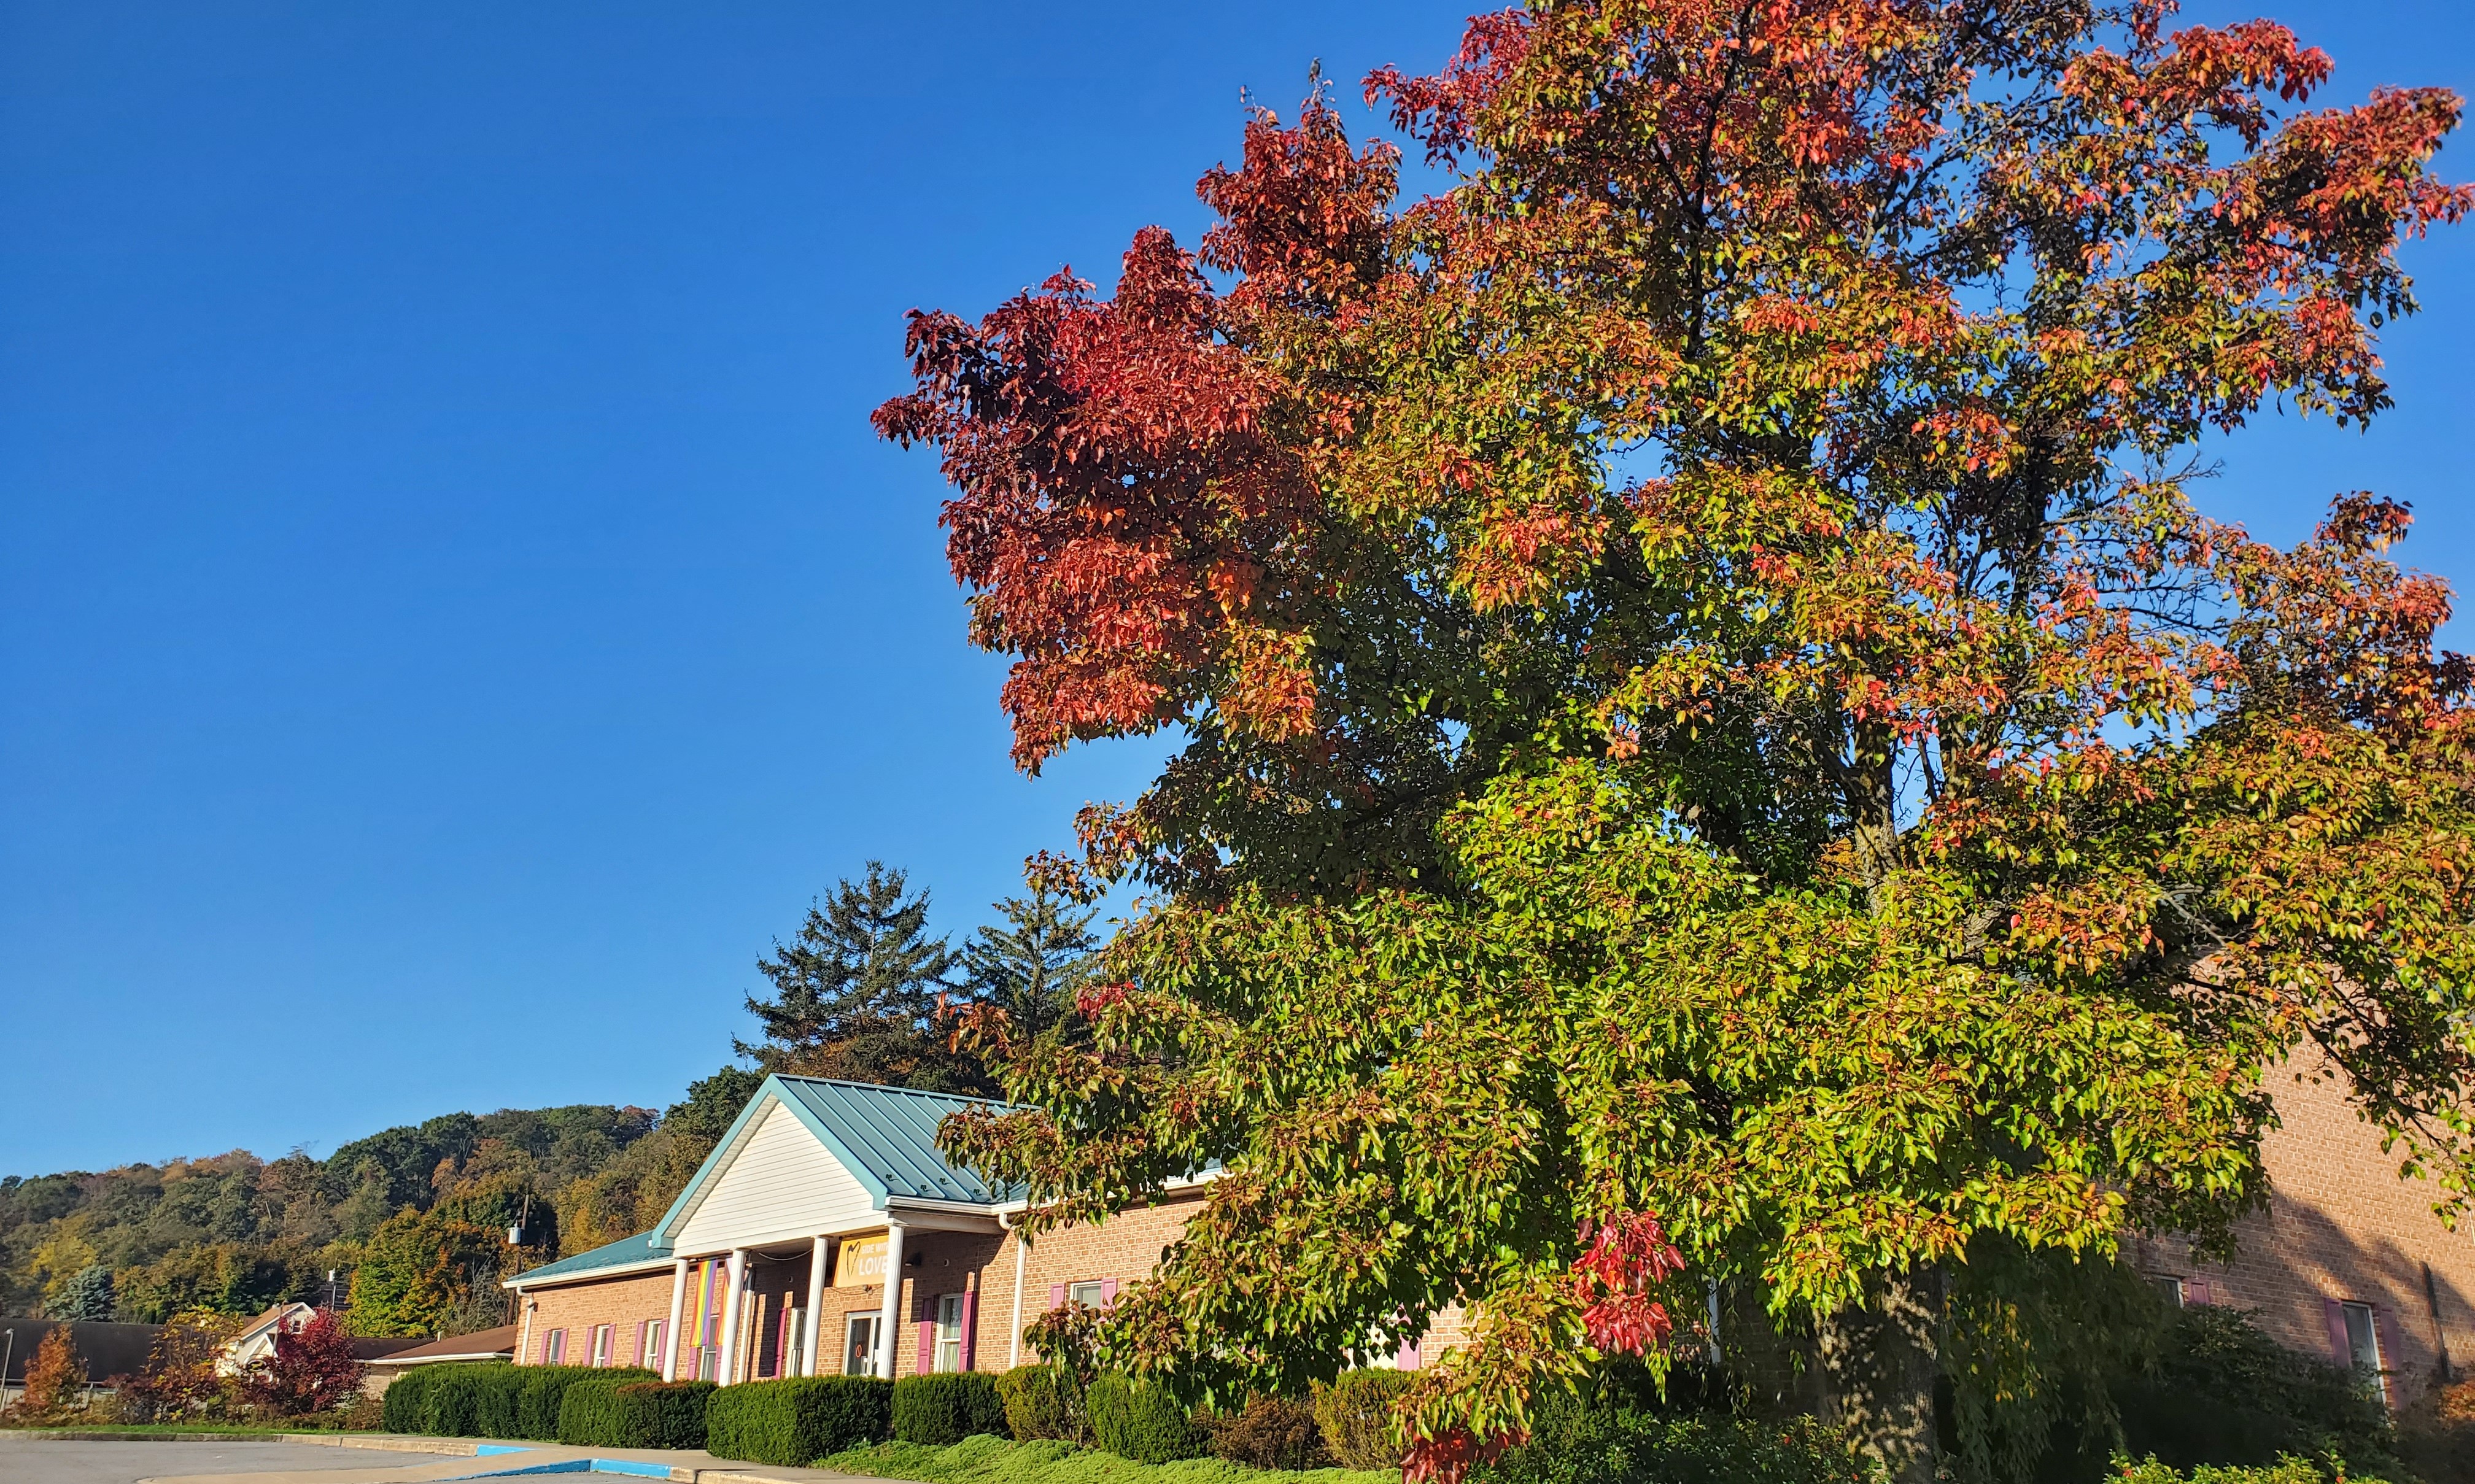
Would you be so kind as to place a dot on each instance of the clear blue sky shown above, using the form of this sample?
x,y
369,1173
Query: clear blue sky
x,y
452,612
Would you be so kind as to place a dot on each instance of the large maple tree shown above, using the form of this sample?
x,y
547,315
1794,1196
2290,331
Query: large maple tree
x,y
1718,732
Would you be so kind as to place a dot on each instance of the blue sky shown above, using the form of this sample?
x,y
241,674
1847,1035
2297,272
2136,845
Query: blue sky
x,y
452,612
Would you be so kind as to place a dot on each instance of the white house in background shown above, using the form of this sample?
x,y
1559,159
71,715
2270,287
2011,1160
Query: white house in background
x,y
256,1338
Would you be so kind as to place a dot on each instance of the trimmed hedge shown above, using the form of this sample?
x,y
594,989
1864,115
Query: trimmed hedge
x,y
794,1422
488,1398
1355,1412
634,1414
943,1409
1138,1420
1036,1404
544,1387
662,1415
588,1416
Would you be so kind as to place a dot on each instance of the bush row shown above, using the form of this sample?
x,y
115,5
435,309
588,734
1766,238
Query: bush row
x,y
488,1398
793,1421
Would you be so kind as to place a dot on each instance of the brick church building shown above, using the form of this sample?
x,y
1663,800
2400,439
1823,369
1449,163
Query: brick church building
x,y
827,1236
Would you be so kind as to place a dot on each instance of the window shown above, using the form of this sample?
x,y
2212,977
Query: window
x,y
648,1343
554,1348
1089,1295
2364,1343
605,1338
2170,1289
950,1332
858,1351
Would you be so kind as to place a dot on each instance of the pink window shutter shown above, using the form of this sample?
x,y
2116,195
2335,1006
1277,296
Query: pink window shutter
x,y
1108,1292
1407,1359
970,1326
1057,1296
2196,1293
927,1346
2385,1324
2339,1348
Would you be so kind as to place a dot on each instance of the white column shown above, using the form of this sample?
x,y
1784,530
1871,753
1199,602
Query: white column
x,y
888,1318
670,1367
1013,1336
818,1252
523,1341
729,1360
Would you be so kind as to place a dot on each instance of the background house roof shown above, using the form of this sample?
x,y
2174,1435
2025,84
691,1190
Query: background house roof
x,y
107,1350
481,1345
888,1136
643,1247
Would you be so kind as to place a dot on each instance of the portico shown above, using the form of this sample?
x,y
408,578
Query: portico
x,y
823,1232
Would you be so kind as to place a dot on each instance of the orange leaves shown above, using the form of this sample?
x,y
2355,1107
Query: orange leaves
x,y
1271,688
1525,556
1303,216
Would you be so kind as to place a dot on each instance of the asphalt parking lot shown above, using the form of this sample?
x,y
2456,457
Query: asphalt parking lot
x,y
43,1461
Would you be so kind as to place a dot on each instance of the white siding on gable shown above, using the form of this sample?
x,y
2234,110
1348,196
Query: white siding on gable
x,y
782,1186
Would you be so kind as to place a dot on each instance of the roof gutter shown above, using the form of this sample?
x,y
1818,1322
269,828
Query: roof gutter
x,y
540,1277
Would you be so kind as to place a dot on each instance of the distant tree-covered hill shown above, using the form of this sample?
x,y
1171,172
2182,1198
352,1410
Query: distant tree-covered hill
x,y
413,1220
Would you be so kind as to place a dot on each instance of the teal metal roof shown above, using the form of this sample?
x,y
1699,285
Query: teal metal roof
x,y
642,1247
887,1136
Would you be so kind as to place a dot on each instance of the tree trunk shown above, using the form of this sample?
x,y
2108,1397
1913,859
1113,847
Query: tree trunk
x,y
1878,1365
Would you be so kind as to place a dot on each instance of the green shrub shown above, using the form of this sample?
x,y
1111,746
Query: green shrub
x,y
488,1398
944,1409
988,1460
497,1403
1355,1412
793,1422
588,1416
1624,1445
452,1407
601,1413
2221,1392
543,1388
2288,1470
1038,1405
1268,1432
1137,1419
405,1406
653,1413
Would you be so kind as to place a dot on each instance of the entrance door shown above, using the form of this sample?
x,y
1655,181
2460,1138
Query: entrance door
x,y
858,1351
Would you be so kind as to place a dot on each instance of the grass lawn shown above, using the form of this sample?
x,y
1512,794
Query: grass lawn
x,y
987,1460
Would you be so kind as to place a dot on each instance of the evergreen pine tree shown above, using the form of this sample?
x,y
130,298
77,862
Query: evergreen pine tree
x,y
1032,968
87,1296
856,994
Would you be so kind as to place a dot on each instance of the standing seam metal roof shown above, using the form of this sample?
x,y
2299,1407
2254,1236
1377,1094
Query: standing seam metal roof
x,y
642,1247
892,1132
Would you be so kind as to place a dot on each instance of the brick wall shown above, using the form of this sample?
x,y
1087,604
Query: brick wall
x,y
625,1301
2341,1225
